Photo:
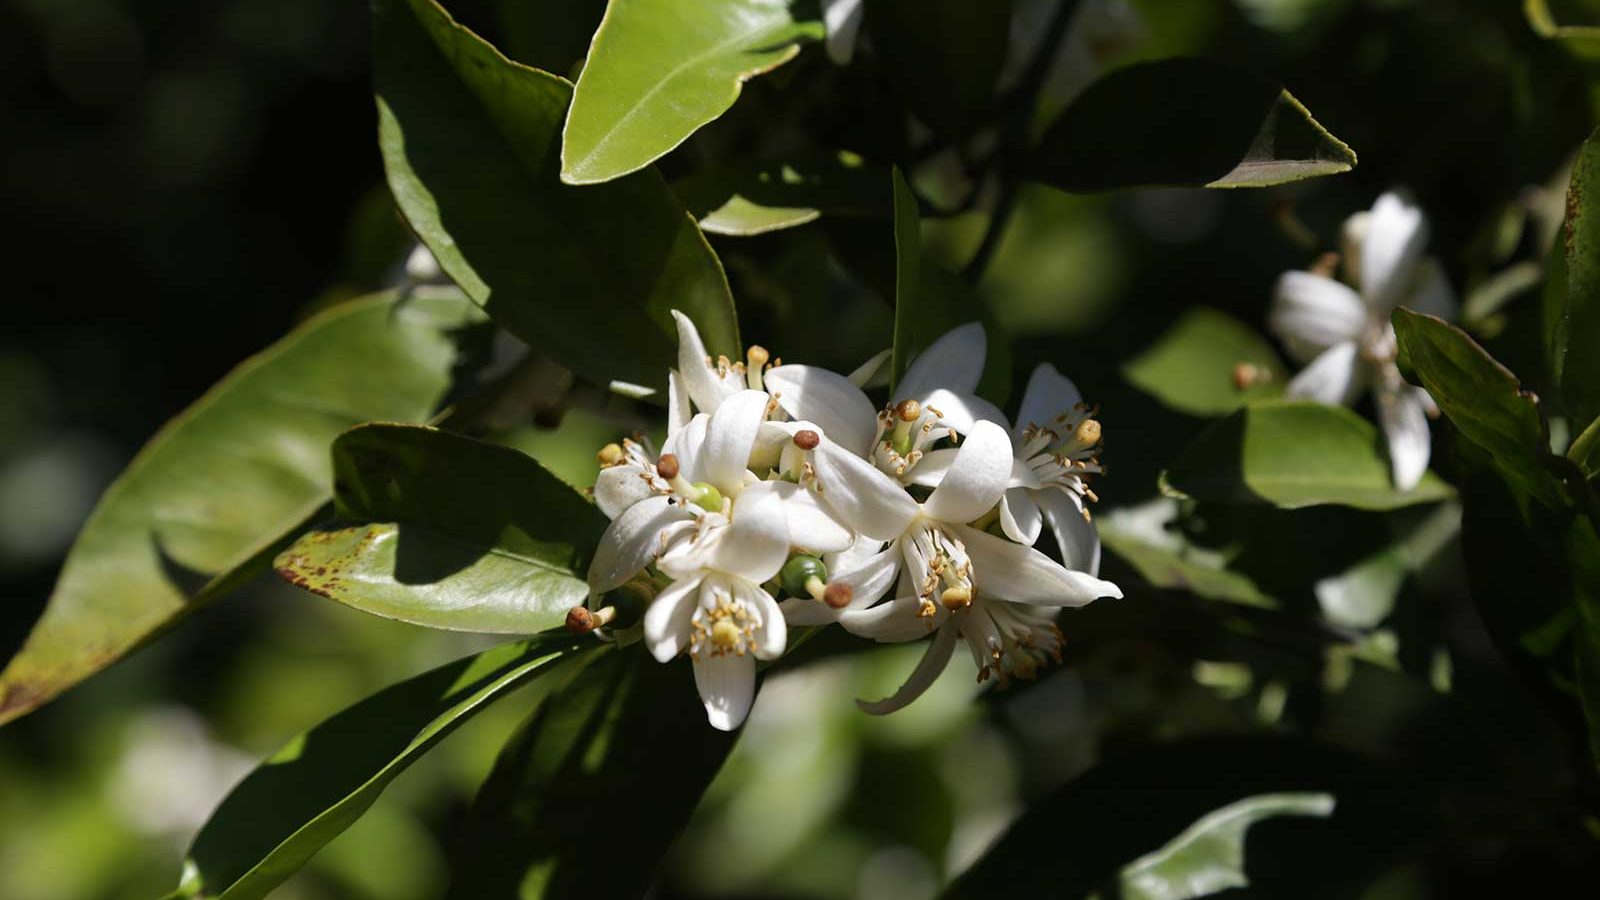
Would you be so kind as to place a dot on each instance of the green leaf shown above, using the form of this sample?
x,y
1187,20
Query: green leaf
x,y
1583,548
1198,365
212,494
1481,398
1162,557
942,57
1545,24
623,726
1208,857
447,532
471,143
660,69
1579,325
1088,834
758,199
1585,451
322,780
1185,122
1291,454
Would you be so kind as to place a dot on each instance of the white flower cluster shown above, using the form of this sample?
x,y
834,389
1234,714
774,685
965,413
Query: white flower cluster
x,y
1343,333
916,520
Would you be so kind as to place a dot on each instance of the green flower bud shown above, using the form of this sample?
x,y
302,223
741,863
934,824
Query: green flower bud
x,y
798,572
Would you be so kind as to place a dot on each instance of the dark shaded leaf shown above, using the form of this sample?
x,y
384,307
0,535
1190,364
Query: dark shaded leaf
x,y
943,57
1188,122
756,200
323,780
211,496
471,142
624,727
445,531
1577,364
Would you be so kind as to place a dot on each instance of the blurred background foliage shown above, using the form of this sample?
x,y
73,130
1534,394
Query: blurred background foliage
x,y
185,180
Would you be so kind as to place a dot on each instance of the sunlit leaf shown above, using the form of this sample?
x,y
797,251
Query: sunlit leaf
x,y
1290,454
1208,857
1185,122
943,57
445,531
622,726
214,492
321,781
1578,329
1546,24
471,143
1207,364
660,69
1484,401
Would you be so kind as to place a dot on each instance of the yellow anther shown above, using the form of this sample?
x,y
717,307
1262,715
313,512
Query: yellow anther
x,y
610,455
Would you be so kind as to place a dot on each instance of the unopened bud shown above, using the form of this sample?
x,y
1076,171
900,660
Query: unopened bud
x,y
806,439
799,571
838,594
667,466
609,455
908,410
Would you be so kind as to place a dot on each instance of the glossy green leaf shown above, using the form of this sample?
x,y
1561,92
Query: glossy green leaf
x,y
1585,450
1208,857
471,143
1185,122
1578,329
660,69
1161,556
942,57
441,530
623,726
213,493
1291,454
756,200
1208,364
1484,401
322,780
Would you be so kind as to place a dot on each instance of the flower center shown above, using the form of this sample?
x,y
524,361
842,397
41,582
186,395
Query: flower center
x,y
904,432
724,629
946,571
1066,452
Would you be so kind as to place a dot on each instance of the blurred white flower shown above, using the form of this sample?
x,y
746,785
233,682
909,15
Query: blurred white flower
x,y
1344,334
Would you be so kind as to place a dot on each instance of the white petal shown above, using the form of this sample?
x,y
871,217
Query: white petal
x,y
773,633
859,494
757,543
669,621
705,388
727,687
688,445
843,21
962,411
1405,425
1331,377
1023,475
1049,394
928,670
1314,311
1020,517
812,527
730,437
934,465
631,541
869,578
976,480
1432,294
892,622
828,399
1010,571
679,411
619,487
953,362
1397,232
804,611
867,373
1076,536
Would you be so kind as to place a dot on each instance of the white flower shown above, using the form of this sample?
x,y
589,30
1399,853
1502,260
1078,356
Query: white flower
x,y
935,398
1057,440
704,381
1345,334
842,19
715,609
